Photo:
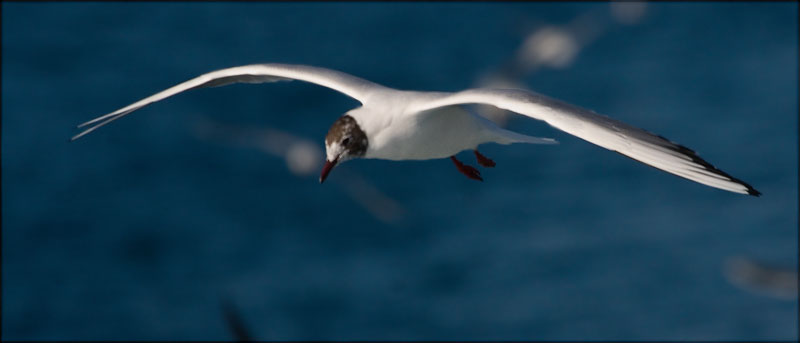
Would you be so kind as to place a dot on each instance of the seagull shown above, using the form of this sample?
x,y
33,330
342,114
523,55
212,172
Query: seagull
x,y
401,125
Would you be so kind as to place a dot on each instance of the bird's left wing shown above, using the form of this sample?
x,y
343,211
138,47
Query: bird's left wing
x,y
352,86
638,144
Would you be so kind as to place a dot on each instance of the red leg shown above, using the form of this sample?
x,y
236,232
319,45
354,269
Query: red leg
x,y
469,171
483,160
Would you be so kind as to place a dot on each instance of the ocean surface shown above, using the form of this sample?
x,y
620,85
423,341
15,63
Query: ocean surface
x,y
146,228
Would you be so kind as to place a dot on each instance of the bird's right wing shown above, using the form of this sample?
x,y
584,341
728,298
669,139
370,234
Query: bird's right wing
x,y
352,86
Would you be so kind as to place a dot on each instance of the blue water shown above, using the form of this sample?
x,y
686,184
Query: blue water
x,y
140,230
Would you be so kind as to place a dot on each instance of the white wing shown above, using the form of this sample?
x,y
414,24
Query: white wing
x,y
611,134
355,87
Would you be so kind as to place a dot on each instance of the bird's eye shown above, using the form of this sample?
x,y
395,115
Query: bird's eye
x,y
346,141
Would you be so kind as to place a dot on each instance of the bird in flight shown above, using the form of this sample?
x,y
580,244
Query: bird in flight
x,y
399,125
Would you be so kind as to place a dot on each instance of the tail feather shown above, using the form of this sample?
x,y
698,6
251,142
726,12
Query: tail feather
x,y
509,137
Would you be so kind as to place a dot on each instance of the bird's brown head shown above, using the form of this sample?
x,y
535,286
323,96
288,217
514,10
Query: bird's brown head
x,y
345,140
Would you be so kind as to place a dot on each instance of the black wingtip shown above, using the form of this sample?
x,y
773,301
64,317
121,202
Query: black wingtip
x,y
695,158
707,166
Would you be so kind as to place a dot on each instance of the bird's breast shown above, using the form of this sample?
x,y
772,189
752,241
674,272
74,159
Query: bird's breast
x,y
430,135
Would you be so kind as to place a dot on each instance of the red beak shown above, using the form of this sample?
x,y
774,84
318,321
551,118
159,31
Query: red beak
x,y
326,169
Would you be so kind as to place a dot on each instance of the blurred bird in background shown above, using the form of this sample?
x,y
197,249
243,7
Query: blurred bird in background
x,y
302,156
555,47
762,278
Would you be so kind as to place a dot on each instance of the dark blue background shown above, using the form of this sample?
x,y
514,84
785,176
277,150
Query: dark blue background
x,y
139,230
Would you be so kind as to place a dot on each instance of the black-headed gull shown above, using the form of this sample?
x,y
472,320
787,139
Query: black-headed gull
x,y
395,124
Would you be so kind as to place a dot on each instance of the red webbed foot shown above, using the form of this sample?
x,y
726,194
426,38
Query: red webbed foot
x,y
469,171
483,160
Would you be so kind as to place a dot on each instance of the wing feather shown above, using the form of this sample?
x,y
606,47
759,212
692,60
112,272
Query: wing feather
x,y
352,86
636,143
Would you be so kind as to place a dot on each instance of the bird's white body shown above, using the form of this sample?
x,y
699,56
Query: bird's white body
x,y
400,133
412,125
